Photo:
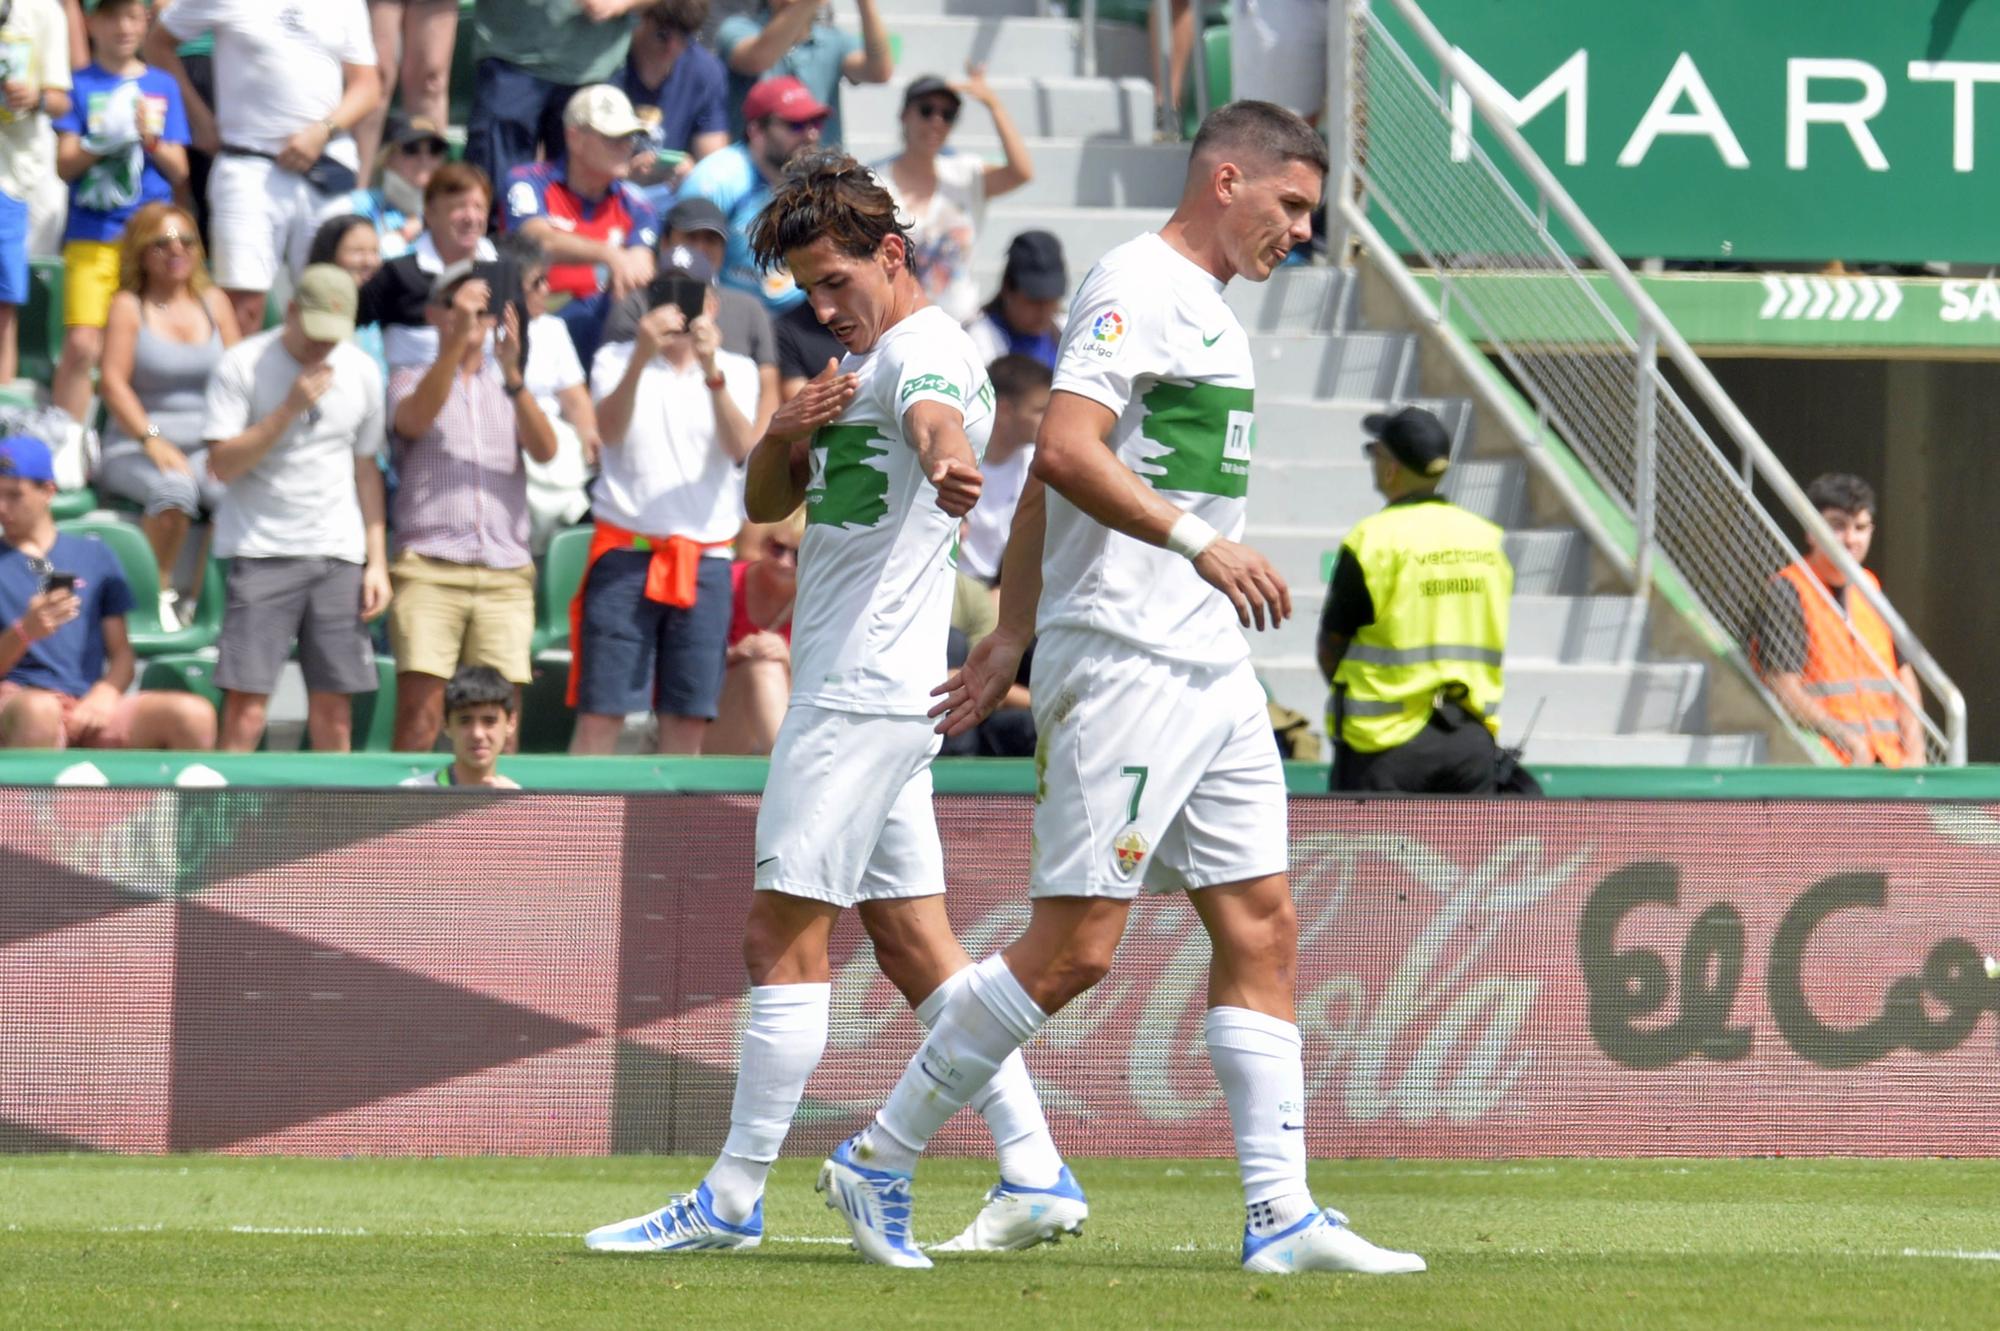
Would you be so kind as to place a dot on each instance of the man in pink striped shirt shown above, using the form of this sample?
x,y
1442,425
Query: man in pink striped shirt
x,y
463,574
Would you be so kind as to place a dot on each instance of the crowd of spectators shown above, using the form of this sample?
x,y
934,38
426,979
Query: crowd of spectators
x,y
387,374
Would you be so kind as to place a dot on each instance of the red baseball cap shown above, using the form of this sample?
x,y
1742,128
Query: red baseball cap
x,y
785,98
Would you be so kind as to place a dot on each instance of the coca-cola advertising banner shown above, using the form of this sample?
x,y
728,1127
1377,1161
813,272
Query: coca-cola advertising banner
x,y
435,972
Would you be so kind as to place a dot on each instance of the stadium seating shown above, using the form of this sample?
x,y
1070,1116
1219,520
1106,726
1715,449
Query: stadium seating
x,y
151,637
561,575
41,331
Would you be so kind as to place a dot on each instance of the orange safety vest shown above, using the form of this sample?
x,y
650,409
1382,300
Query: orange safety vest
x,y
1839,675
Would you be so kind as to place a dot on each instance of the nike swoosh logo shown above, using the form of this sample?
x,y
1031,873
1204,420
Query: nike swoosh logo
x,y
1211,341
1293,1127
772,860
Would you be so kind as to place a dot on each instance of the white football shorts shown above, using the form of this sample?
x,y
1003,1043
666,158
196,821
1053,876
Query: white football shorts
x,y
846,815
1152,773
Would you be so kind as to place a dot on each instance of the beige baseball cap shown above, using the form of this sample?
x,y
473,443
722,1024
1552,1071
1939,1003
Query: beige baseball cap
x,y
328,300
605,109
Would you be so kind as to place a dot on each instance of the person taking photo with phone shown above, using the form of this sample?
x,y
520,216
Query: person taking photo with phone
x,y
650,626
65,659
463,574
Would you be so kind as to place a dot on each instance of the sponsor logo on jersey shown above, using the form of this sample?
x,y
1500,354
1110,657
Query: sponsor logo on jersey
x,y
1107,333
931,383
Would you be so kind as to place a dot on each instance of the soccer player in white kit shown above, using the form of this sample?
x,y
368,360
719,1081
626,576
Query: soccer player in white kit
x,y
883,450
1158,768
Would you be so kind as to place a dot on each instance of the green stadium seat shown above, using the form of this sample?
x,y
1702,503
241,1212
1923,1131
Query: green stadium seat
x,y
546,718
41,330
562,574
182,672
72,504
149,636
1215,48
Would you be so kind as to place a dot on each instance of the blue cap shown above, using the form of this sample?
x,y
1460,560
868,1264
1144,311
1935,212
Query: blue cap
x,y
27,457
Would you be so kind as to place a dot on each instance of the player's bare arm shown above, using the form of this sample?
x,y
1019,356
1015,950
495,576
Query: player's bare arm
x,y
781,464
937,432
1073,457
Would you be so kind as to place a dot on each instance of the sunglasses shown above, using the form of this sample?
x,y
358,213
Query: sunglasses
x,y
169,240
807,126
423,148
944,111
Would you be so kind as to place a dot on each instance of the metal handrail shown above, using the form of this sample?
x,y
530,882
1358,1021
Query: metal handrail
x,y
1757,454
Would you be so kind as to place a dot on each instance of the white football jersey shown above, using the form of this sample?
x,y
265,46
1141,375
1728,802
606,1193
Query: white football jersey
x,y
1151,338
876,568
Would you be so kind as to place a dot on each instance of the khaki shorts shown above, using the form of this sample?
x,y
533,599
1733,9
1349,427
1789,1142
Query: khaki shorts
x,y
447,615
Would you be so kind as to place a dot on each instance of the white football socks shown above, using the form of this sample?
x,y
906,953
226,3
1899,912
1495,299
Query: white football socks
x,y
1258,1060
782,1045
1010,1106
989,1017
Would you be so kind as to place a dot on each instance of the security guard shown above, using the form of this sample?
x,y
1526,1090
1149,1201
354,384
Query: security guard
x,y
1414,627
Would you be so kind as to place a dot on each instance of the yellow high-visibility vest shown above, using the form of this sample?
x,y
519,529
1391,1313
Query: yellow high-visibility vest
x,y
1441,585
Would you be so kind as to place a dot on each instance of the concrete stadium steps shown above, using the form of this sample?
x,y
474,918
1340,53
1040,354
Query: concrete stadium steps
x,y
1319,429
1653,698
1363,365
1334,490
1069,173
1574,629
1294,300
1009,46
1086,233
1046,105
1548,561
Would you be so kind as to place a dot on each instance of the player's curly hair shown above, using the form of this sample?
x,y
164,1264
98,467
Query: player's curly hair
x,y
826,193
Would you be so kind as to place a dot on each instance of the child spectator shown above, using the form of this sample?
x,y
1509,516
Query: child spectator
x,y
122,145
479,720
34,86
757,672
65,659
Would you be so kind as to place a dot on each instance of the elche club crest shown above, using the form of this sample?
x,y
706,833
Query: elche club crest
x,y
1131,848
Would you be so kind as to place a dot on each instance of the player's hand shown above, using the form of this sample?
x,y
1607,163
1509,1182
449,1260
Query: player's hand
x,y
958,483
309,387
978,686
654,328
92,712
1261,598
374,590
823,398
47,612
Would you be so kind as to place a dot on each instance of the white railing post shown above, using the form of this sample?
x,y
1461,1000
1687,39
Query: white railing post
x,y
1645,503
1087,16
1166,115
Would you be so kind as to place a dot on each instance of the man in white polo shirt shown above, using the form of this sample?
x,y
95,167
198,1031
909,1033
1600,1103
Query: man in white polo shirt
x,y
677,415
291,81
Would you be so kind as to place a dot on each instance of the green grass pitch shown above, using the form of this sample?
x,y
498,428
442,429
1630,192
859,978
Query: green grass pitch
x,y
207,1242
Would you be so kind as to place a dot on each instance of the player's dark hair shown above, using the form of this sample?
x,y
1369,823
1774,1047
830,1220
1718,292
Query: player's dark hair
x,y
1261,129
826,195
1838,490
1015,376
478,686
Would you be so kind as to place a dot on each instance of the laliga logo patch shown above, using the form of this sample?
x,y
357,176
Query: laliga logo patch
x,y
1107,333
1132,849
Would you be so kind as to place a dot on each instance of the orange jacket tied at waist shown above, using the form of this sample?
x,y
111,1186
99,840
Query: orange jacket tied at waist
x,y
670,579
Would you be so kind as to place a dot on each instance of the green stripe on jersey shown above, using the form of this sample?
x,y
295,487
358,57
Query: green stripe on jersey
x,y
1207,431
848,487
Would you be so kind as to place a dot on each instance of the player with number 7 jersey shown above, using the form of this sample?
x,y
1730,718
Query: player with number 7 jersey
x,y
1156,766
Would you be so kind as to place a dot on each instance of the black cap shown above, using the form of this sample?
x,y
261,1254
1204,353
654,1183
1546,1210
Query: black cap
x,y
1035,266
695,213
930,85
1414,438
417,129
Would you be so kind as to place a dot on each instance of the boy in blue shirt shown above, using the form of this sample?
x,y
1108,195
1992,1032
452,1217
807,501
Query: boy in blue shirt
x,y
65,659
122,144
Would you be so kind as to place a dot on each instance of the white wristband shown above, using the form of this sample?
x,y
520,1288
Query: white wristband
x,y
1189,536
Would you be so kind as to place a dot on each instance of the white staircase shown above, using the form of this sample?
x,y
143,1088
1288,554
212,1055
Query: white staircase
x,y
1099,180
